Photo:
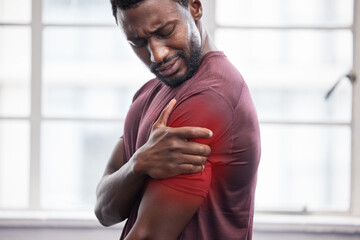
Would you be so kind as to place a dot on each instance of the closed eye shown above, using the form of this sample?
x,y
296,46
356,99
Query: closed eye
x,y
166,31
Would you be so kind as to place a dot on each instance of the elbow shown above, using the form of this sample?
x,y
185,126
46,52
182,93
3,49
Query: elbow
x,y
99,213
104,218
107,217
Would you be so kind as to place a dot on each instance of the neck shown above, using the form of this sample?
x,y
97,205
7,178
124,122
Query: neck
x,y
207,44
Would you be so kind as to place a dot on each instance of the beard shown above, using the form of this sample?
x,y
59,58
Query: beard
x,y
192,63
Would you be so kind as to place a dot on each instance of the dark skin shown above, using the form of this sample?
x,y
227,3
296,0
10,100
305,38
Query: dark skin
x,y
164,28
167,29
167,153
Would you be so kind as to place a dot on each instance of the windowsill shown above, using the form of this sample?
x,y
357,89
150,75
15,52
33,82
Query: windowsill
x,y
50,219
307,224
262,222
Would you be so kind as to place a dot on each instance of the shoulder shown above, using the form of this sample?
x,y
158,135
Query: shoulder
x,y
206,101
216,64
146,88
220,75
207,109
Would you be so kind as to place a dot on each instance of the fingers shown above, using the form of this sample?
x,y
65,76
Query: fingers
x,y
196,149
193,160
192,132
189,168
164,116
191,164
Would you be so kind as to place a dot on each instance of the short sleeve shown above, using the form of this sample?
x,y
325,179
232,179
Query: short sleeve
x,y
207,109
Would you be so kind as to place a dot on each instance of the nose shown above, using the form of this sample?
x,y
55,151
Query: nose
x,y
158,51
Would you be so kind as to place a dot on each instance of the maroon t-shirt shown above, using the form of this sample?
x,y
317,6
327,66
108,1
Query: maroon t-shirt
x,y
217,98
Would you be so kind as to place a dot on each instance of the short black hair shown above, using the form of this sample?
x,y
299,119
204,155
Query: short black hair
x,y
126,4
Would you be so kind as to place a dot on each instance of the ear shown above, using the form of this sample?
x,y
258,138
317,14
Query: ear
x,y
196,10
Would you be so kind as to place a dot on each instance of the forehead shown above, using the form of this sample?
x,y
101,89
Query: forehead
x,y
149,15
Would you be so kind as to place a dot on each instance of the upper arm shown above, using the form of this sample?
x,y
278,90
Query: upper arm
x,y
169,204
163,212
117,158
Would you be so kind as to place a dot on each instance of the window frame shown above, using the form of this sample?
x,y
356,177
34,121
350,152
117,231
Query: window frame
x,y
354,124
355,147
35,119
36,116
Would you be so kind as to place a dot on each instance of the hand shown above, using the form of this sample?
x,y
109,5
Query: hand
x,y
168,152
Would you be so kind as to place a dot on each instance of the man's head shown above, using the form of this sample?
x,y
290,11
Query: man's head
x,y
164,35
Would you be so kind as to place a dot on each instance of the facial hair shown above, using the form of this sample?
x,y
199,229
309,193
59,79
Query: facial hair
x,y
192,63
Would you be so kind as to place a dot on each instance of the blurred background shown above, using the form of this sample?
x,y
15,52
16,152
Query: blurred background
x,y
67,77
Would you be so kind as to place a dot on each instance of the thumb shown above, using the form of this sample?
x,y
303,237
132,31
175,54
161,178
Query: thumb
x,y
164,116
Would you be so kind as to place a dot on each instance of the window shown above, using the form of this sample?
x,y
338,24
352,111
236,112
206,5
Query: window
x,y
67,77
15,50
291,53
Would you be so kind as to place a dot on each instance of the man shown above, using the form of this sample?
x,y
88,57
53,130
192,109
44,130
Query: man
x,y
184,168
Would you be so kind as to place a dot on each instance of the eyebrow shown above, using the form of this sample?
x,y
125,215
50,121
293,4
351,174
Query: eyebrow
x,y
152,32
131,39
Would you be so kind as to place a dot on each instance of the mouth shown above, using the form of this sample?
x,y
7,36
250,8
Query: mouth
x,y
170,68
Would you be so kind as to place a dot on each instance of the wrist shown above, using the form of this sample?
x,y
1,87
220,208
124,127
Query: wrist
x,y
138,166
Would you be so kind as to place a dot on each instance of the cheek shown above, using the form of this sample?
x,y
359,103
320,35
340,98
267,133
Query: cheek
x,y
180,39
143,55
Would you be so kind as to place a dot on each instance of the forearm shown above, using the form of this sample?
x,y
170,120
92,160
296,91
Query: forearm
x,y
116,193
